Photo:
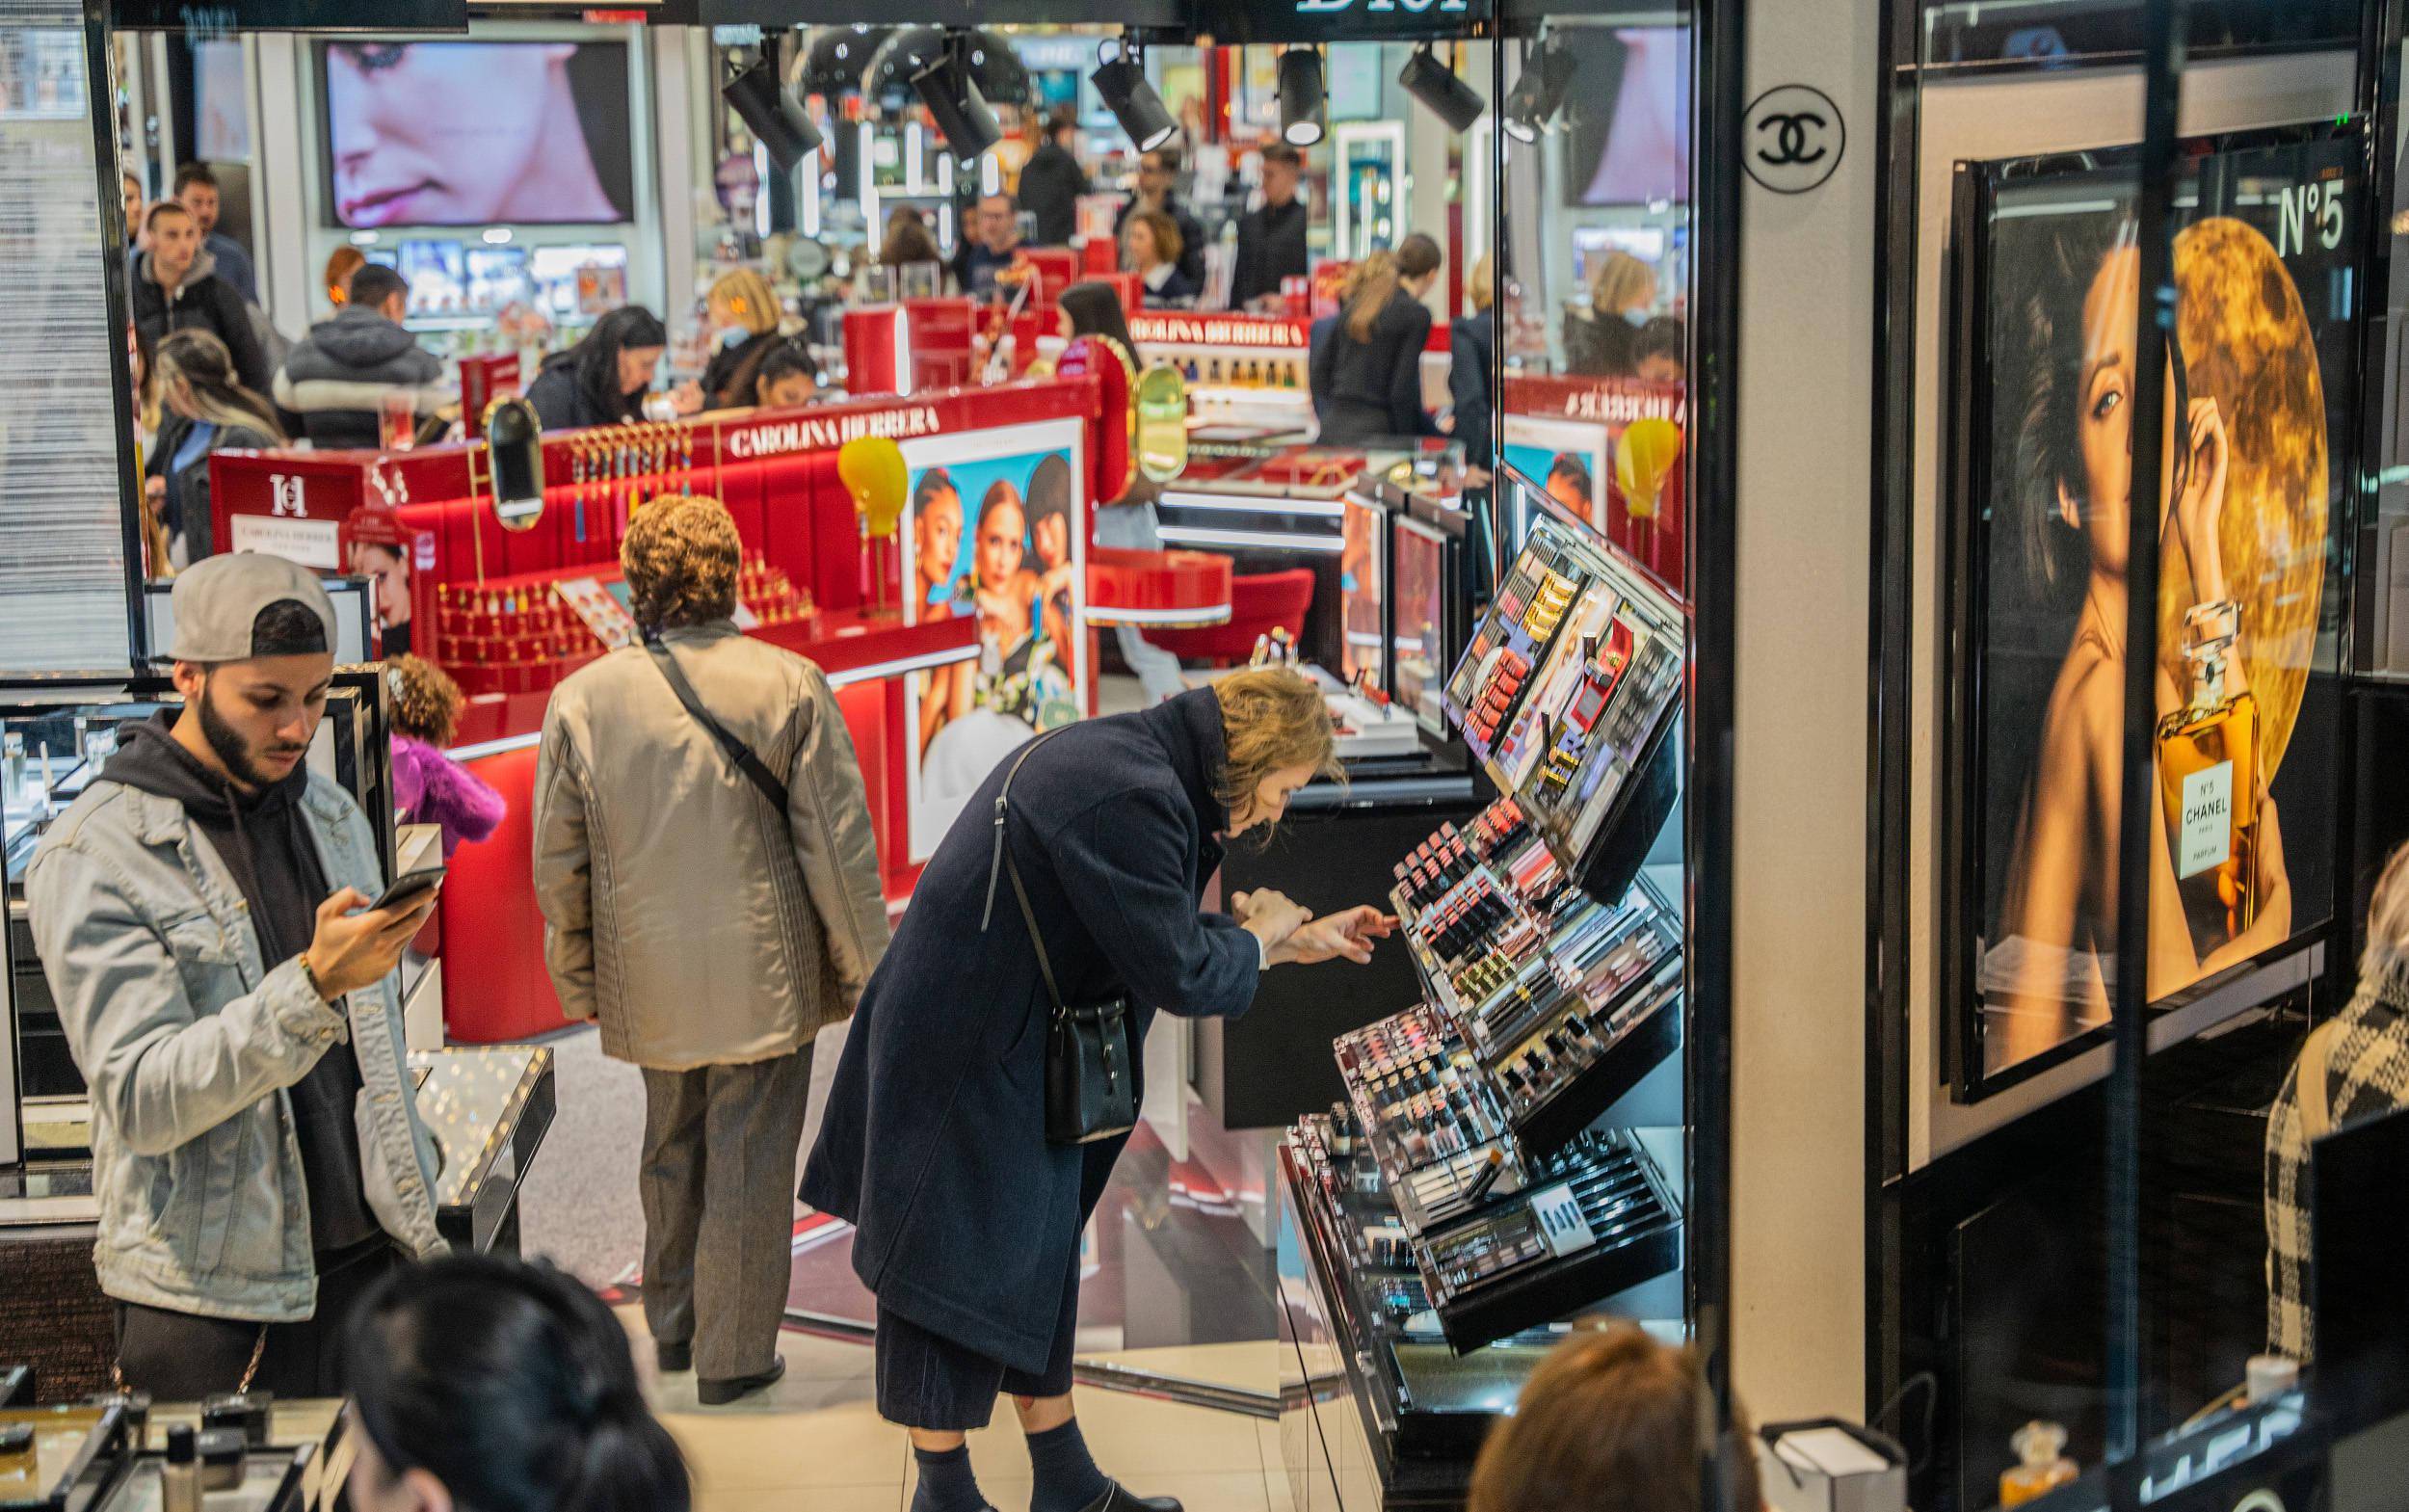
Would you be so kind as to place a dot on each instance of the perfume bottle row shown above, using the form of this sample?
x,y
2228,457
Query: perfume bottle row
x,y
1274,373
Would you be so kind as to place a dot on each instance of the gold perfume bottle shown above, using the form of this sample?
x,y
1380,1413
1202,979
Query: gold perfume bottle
x,y
2208,780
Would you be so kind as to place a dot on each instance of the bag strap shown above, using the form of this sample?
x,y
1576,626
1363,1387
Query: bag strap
x,y
751,765
1001,859
2316,1111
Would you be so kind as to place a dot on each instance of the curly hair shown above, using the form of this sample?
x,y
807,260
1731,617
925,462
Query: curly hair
x,y
426,700
680,557
1271,717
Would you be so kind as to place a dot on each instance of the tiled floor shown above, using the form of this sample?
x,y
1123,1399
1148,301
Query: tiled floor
x,y
815,1440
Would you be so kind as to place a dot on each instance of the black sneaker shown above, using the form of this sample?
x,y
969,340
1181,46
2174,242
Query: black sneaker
x,y
719,1393
673,1358
1119,1498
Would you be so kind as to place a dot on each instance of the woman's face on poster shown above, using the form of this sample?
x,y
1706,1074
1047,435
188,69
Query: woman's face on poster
x,y
441,135
2104,414
1053,539
939,533
1003,539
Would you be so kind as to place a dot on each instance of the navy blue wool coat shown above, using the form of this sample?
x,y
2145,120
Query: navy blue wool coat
x,y
933,1141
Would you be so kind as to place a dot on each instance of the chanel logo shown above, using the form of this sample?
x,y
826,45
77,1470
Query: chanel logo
x,y
1794,138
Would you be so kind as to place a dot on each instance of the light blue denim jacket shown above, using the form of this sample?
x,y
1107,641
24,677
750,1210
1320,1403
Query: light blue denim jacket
x,y
189,1040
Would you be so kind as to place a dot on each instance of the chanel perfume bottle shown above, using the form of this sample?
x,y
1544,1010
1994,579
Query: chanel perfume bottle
x,y
2208,780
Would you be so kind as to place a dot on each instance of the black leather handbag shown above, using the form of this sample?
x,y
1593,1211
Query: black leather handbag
x,y
1091,1057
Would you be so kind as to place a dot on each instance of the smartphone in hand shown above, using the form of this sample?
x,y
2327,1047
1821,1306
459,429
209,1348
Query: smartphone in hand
x,y
407,888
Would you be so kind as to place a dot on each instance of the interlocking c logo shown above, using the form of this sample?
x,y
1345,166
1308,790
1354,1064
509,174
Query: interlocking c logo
x,y
1794,138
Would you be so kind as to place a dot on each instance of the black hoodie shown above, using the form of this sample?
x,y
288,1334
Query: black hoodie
x,y
264,840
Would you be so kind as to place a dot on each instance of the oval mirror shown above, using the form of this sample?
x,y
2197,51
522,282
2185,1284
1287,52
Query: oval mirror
x,y
1162,411
513,439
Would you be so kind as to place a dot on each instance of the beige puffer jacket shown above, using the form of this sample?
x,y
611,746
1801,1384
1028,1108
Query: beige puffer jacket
x,y
697,925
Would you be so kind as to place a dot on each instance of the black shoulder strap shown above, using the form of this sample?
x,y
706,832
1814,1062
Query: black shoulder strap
x,y
738,752
1000,859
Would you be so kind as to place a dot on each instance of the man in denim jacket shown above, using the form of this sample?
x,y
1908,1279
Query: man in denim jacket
x,y
256,1156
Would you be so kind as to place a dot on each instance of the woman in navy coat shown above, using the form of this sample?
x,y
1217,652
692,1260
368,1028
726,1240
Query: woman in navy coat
x,y
934,1143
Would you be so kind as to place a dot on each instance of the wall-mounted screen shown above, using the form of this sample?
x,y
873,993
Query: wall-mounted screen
x,y
2261,415
453,133
1627,141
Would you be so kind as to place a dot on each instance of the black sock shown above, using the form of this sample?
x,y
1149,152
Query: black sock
x,y
1067,1477
946,1484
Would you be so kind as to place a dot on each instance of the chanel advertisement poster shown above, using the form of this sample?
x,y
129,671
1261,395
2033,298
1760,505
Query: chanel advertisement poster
x,y
995,526
2258,452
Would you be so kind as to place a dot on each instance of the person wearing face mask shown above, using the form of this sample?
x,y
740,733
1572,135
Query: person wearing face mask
x,y
1605,343
1367,361
743,312
604,378
1112,828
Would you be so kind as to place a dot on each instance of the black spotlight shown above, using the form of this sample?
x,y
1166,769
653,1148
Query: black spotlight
x,y
778,121
1133,102
1539,93
838,57
1436,86
1301,97
962,118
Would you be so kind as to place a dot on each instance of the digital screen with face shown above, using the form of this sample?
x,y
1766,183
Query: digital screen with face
x,y
453,133
2258,452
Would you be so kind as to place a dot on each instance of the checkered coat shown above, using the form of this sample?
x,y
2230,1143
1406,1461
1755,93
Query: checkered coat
x,y
2364,1057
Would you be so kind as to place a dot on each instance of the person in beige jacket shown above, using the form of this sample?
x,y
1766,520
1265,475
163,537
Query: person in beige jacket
x,y
709,932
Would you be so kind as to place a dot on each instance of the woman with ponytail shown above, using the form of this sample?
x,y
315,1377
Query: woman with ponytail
x,y
1368,359
489,1385
206,409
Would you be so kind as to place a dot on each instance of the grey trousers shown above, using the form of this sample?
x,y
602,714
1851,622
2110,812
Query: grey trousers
x,y
718,1183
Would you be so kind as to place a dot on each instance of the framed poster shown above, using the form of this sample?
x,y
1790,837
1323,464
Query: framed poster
x,y
2261,451
995,526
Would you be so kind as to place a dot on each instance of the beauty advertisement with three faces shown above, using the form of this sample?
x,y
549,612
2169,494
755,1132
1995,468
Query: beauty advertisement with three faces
x,y
2260,428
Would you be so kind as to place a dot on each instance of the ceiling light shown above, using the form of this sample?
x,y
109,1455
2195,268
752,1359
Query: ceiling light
x,y
961,110
1133,102
1539,93
777,121
1301,97
1441,92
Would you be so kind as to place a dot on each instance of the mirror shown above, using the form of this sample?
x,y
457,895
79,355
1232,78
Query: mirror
x,y
515,453
1162,412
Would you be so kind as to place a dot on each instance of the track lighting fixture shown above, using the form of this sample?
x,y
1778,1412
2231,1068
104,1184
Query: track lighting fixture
x,y
1301,97
1441,92
1132,100
774,116
1531,105
962,118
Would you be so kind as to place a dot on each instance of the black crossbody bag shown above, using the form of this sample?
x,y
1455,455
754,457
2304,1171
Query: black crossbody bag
x,y
738,750
1090,1059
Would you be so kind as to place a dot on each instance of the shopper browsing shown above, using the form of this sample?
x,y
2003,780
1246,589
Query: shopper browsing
x,y
603,380
992,247
208,411
430,788
340,377
202,914
1151,247
197,190
1614,1422
1158,175
1271,238
1052,180
176,289
909,240
934,1140
711,913
744,314
1367,366
788,376
1622,290
480,1382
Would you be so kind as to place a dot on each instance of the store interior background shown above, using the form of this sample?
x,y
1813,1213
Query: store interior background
x,y
1866,1221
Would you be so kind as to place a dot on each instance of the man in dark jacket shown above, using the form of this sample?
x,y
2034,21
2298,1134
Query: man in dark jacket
x,y
176,286
337,378
197,190
1158,172
969,1215
1052,180
1271,239
994,241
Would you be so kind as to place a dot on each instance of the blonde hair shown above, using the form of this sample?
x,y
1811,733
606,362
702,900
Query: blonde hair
x,y
1366,292
749,298
1481,290
1618,282
200,362
1611,1420
1168,244
426,700
2387,947
1271,717
681,556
